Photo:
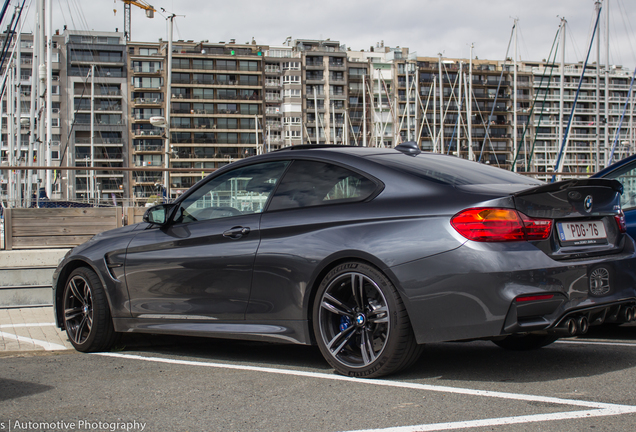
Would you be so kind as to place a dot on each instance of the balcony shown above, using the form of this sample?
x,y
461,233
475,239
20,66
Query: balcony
x,y
148,132
148,148
145,70
147,101
272,70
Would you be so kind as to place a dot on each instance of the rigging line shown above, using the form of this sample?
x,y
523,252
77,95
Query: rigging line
x,y
74,120
629,32
59,4
452,94
70,13
424,112
5,48
481,117
406,109
618,130
495,101
555,45
386,90
4,10
8,40
81,14
450,144
576,97
572,43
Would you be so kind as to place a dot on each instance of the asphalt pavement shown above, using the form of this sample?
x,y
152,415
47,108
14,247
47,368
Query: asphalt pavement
x,y
169,383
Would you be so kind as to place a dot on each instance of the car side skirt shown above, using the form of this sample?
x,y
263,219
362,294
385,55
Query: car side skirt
x,y
288,331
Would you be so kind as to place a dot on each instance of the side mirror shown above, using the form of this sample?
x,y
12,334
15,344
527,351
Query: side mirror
x,y
158,214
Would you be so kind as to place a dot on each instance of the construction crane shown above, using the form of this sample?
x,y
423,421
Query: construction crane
x,y
150,13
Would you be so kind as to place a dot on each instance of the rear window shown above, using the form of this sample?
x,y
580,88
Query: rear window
x,y
450,170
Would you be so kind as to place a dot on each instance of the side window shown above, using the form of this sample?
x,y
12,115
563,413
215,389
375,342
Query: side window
x,y
627,176
241,191
309,183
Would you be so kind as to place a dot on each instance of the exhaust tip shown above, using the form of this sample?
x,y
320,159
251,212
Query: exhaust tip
x,y
572,326
583,325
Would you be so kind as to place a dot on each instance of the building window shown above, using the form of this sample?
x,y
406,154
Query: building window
x,y
246,65
292,93
291,79
148,51
291,121
147,82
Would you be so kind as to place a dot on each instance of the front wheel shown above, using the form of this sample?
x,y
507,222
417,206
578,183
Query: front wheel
x,y
360,323
87,318
525,342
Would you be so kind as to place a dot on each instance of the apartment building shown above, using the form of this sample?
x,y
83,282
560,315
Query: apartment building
x,y
217,106
449,122
14,148
324,91
95,133
283,97
593,130
146,93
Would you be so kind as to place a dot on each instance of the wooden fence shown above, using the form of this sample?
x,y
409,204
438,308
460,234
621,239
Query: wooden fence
x,y
62,227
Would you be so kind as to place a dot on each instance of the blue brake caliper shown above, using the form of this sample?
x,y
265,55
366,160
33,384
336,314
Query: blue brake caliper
x,y
345,323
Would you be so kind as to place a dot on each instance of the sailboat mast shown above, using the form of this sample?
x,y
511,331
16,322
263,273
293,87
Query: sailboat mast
x,y
469,112
364,112
562,84
408,98
18,114
441,107
91,173
607,78
434,136
514,100
459,111
11,135
34,84
49,108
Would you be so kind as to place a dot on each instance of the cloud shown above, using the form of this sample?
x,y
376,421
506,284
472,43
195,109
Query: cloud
x,y
425,26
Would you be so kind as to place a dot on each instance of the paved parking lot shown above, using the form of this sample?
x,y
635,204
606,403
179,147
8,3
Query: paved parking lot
x,y
177,383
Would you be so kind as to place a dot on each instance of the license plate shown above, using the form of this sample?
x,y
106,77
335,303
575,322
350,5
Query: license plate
x,y
580,233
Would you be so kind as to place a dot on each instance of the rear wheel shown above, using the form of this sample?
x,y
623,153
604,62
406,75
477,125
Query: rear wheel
x,y
87,318
361,324
525,342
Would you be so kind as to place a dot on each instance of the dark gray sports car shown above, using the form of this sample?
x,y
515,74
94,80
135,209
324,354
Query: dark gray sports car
x,y
368,253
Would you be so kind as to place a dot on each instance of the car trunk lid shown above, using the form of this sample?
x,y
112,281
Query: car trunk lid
x,y
583,212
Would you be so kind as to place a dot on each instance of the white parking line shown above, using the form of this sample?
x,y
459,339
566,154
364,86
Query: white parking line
x,y
586,342
48,346
599,409
27,325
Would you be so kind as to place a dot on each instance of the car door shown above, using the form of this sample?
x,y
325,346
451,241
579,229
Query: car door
x,y
199,265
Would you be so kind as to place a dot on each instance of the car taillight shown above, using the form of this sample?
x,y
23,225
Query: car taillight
x,y
500,225
620,221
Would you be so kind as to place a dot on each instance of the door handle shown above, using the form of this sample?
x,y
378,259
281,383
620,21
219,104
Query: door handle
x,y
236,232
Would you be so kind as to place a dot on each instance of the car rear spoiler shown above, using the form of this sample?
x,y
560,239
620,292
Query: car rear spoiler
x,y
567,184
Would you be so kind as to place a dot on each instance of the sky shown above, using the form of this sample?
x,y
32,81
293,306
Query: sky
x,y
427,27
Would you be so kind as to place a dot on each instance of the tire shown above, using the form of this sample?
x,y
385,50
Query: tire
x,y
360,323
525,342
87,318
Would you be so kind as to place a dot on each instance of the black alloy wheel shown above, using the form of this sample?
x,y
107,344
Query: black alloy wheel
x,y
87,317
361,324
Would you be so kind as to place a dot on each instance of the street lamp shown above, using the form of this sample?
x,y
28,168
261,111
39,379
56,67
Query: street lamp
x,y
159,121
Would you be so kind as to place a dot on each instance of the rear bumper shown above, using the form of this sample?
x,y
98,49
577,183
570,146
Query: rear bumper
x,y
471,292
